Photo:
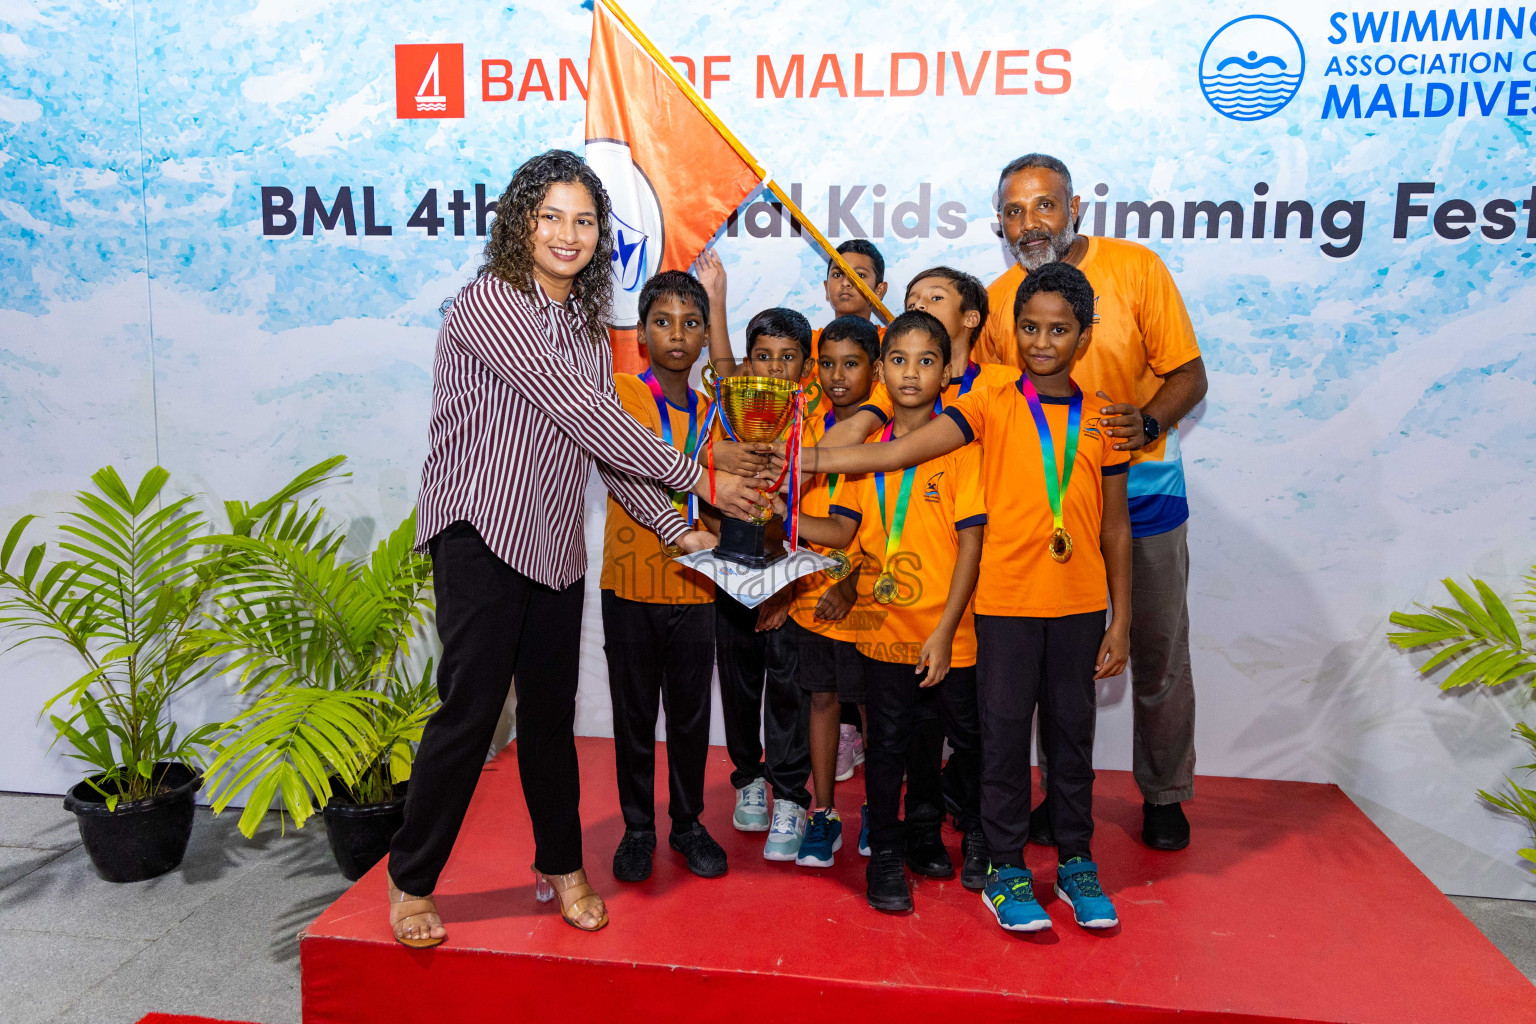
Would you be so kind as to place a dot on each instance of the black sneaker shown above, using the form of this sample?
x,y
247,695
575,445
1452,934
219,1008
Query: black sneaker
x,y
1040,831
705,857
973,873
632,860
887,881
1164,827
926,854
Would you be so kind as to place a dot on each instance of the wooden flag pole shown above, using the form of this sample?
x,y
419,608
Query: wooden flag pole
x,y
751,161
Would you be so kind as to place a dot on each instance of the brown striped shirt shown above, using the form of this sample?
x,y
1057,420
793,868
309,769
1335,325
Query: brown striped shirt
x,y
522,404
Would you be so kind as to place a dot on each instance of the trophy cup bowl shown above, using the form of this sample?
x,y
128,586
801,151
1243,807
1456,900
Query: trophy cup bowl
x,y
754,410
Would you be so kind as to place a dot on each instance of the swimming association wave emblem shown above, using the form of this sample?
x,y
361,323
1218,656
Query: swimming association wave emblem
x,y
1252,67
637,225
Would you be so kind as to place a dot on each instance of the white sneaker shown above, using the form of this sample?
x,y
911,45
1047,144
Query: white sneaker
x,y
751,813
787,831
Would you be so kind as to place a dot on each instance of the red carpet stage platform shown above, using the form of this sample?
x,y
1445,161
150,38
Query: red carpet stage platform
x,y
1290,905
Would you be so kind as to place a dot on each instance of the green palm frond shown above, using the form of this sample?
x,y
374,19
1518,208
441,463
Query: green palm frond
x,y
1479,634
288,744
1517,799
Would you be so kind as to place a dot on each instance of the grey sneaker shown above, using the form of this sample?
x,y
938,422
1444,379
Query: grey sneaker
x,y
751,807
787,831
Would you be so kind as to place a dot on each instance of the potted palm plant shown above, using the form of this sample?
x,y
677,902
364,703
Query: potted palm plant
x,y
127,599
1477,640
331,652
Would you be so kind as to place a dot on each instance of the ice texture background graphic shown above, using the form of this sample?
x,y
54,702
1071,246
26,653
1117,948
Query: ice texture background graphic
x,y
1370,421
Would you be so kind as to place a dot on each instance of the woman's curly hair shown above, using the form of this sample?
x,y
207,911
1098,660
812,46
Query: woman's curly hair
x,y
509,249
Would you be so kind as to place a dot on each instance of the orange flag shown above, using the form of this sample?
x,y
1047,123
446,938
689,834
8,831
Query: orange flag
x,y
671,176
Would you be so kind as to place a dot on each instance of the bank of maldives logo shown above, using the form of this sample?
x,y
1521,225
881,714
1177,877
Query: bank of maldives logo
x,y
429,80
637,225
1252,67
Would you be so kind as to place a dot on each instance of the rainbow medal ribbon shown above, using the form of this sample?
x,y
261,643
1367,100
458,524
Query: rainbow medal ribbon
x,y
1060,544
843,564
969,378
885,583
681,500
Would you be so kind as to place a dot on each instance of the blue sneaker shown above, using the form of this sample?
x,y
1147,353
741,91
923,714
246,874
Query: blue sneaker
x,y
1010,895
864,831
823,838
1077,882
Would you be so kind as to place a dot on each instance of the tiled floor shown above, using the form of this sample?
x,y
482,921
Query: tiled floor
x,y
217,936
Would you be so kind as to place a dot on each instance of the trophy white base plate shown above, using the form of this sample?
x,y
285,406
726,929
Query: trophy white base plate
x,y
754,586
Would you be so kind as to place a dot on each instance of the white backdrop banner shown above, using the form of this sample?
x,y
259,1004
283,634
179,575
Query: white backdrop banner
x,y
227,229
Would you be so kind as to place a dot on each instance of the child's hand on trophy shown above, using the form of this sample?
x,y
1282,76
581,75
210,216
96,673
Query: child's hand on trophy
x,y
749,459
736,496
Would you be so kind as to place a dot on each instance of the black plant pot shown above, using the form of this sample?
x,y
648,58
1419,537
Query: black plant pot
x,y
360,833
141,838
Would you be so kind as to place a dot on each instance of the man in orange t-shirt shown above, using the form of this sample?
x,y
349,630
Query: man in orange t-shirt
x,y
1145,358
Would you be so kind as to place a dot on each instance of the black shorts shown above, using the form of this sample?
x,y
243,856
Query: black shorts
x,y
828,665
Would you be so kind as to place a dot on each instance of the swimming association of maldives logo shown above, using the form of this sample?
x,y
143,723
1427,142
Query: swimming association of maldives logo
x,y
1252,67
637,225
429,80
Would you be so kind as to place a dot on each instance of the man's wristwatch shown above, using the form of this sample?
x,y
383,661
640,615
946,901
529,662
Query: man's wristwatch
x,y
1150,427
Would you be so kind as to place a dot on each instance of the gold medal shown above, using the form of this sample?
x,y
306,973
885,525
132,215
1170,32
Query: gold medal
x,y
842,567
1060,545
885,588
673,551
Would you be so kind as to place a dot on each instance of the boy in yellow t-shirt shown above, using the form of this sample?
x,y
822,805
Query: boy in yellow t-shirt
x,y
658,617
820,619
919,531
1058,554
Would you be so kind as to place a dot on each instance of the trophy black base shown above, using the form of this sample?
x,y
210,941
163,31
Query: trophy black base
x,y
747,544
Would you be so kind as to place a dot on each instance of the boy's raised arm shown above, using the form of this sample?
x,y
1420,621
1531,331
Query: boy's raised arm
x,y
712,276
937,437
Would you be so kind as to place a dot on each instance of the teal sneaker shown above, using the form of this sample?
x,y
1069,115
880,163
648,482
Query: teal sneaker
x,y
751,814
1077,882
786,832
864,831
1010,895
823,838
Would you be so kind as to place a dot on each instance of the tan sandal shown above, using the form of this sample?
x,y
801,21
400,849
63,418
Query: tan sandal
x,y
404,908
580,905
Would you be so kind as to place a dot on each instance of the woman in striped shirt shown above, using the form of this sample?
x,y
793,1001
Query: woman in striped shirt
x,y
523,405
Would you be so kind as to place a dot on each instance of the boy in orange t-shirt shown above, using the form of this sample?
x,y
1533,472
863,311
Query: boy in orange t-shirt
x,y
658,617
919,531
822,615
959,301
1059,554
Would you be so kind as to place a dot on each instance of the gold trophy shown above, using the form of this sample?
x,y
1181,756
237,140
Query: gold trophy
x,y
755,410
